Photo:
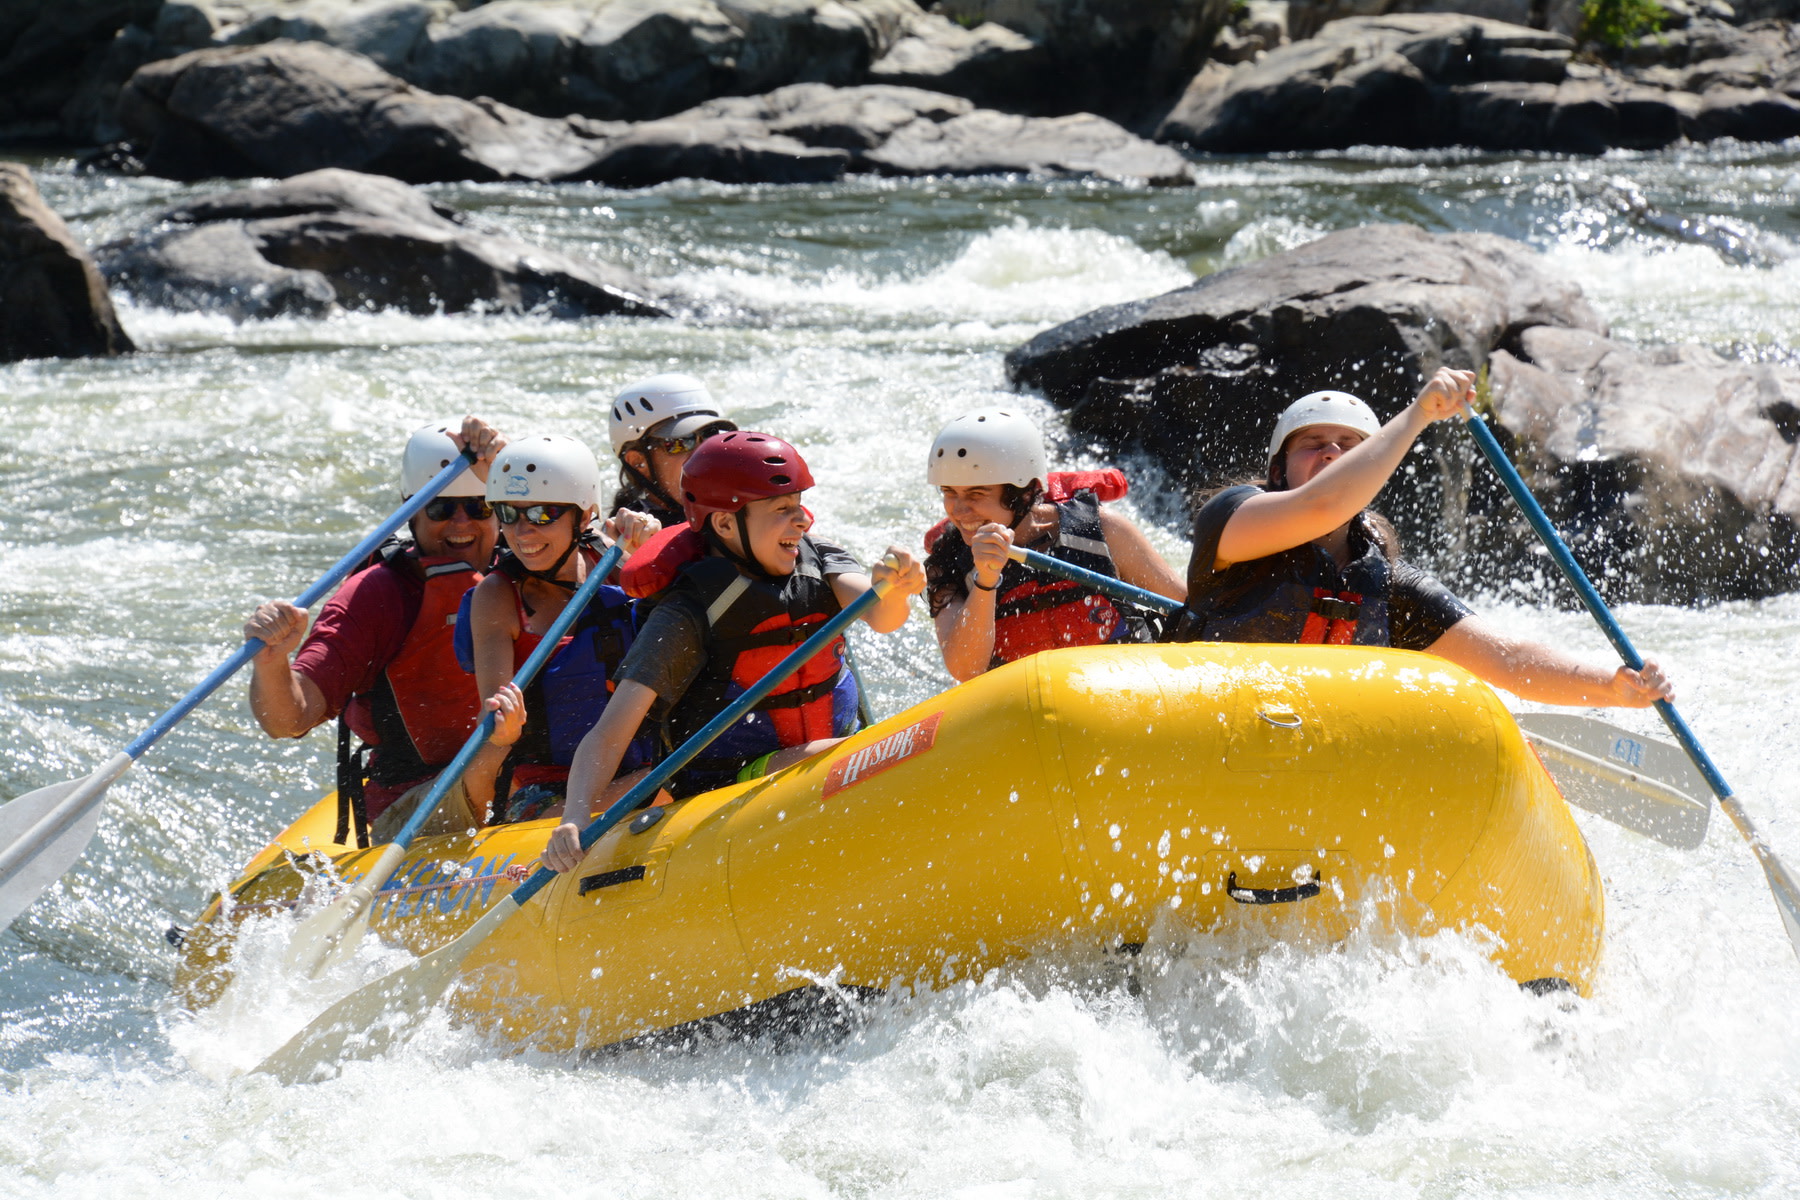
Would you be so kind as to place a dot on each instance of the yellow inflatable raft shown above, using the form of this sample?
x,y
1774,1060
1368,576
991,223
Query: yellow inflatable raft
x,y
1081,794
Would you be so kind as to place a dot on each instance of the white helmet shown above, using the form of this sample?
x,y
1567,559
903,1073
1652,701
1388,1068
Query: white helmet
x,y
650,402
1321,408
545,470
988,446
428,451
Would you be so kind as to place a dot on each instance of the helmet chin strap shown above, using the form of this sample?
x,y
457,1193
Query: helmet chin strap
x,y
548,575
746,559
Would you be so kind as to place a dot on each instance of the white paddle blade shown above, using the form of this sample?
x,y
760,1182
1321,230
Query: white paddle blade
x,y
42,833
329,937
1636,782
380,1014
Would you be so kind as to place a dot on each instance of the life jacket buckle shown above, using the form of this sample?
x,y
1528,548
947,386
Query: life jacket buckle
x,y
1335,608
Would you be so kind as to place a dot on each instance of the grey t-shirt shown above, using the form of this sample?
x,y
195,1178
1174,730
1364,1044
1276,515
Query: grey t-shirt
x,y
670,650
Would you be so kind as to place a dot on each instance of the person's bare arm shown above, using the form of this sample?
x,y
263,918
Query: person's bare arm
x,y
1136,559
284,702
1275,521
1534,671
494,626
596,761
508,707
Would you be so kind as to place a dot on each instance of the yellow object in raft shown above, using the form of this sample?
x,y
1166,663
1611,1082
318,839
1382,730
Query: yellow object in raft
x,y
1078,794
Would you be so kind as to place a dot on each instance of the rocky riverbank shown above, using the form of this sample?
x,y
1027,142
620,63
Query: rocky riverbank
x,y
1209,75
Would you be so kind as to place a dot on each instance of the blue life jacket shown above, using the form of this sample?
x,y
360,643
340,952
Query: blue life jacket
x,y
569,694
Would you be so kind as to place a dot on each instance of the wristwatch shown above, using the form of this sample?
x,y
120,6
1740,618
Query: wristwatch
x,y
975,584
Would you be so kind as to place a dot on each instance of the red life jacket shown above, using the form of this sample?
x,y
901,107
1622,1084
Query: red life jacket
x,y
1331,621
1036,611
423,706
753,623
428,706
658,562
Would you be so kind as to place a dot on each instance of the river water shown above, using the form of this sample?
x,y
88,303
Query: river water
x,y
147,503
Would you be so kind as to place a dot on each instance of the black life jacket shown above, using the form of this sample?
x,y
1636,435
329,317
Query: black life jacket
x,y
753,622
1036,611
1296,597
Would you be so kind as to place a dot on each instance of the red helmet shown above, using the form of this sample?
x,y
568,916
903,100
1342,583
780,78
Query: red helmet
x,y
729,470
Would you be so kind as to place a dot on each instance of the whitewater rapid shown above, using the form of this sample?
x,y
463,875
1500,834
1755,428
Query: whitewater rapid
x,y
149,502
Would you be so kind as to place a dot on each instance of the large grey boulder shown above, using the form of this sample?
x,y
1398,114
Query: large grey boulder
x,y
54,57
53,302
335,238
1123,59
290,107
1440,80
606,59
810,132
989,64
1673,470
1196,376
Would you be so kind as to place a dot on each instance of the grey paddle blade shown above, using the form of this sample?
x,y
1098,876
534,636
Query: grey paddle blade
x,y
1645,785
42,833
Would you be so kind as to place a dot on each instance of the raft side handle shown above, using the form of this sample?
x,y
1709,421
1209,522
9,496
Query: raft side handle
x,y
1281,895
606,879
1281,718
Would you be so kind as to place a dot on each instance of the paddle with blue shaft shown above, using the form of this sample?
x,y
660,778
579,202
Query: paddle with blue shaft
x,y
43,832
1638,783
1781,884
332,934
378,1014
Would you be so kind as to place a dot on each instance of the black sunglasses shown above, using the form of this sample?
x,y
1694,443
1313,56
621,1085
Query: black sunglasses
x,y
534,514
444,507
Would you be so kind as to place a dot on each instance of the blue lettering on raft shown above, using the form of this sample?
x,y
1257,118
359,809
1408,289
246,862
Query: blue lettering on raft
x,y
460,888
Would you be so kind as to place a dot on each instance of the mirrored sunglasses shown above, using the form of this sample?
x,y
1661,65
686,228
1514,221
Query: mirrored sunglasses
x,y
533,514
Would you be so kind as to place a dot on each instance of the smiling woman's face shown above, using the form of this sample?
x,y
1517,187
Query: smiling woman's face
x,y
969,508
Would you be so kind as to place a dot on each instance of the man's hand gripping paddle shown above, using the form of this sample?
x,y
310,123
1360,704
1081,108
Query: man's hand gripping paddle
x,y
43,832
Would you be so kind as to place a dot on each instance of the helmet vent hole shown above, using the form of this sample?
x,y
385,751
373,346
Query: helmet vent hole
x,y
963,452
648,407
531,466
780,480
776,460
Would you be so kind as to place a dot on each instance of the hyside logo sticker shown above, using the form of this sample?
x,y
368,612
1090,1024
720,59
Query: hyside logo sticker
x,y
877,757
518,485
